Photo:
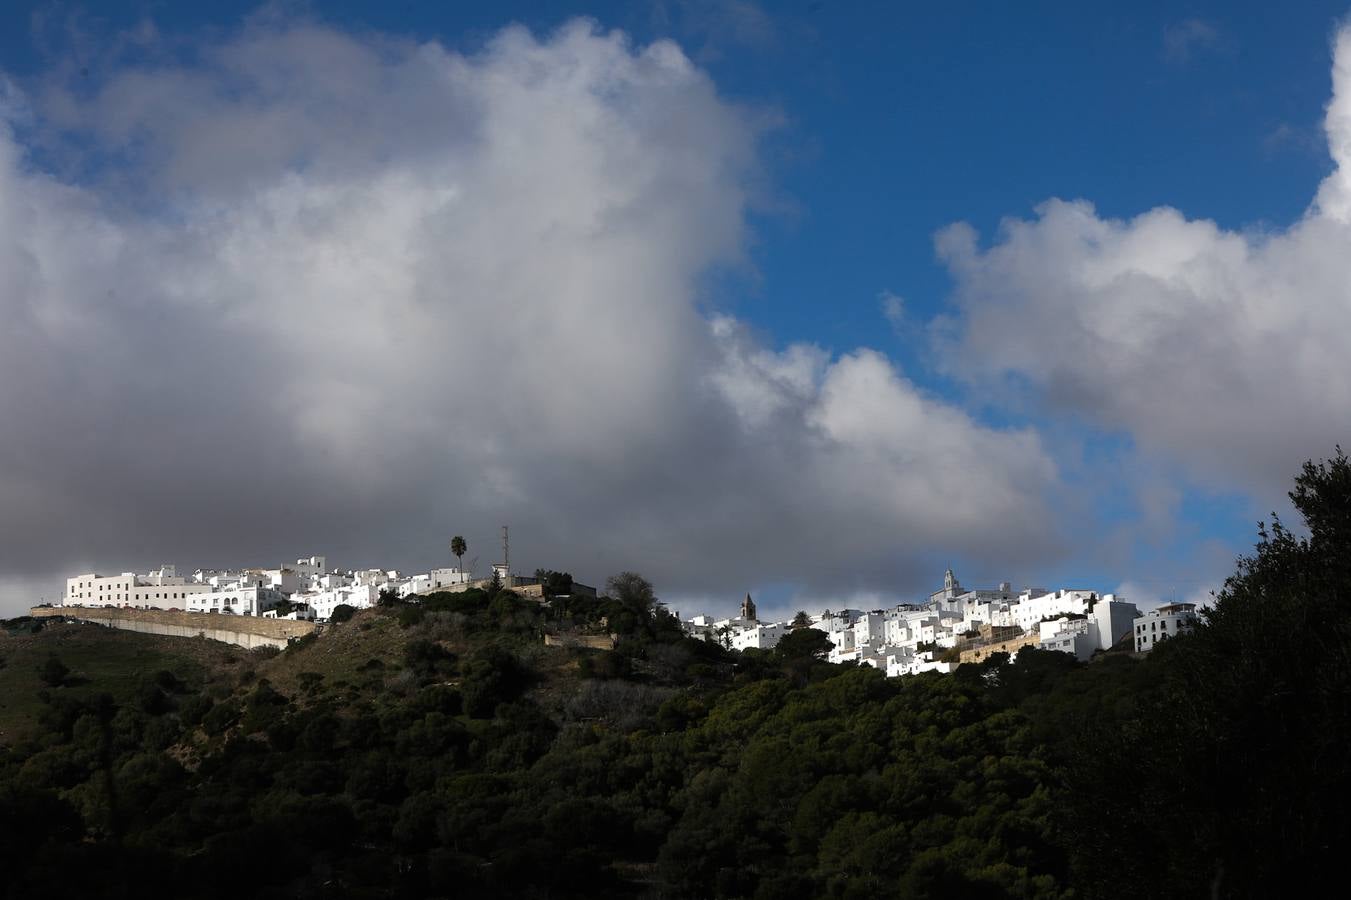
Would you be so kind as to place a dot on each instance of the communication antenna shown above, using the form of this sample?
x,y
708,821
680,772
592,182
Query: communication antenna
x,y
506,558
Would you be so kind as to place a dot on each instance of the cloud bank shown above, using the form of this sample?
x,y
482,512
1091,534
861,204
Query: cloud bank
x,y
1219,351
301,290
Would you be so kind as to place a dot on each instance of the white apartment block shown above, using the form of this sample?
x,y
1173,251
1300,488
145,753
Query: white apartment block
x,y
1165,622
161,589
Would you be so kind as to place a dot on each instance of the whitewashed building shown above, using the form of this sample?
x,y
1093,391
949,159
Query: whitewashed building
x,y
253,600
161,589
435,580
1165,622
357,596
759,636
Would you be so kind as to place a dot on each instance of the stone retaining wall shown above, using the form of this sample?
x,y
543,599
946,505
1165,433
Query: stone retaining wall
x,y
245,631
590,641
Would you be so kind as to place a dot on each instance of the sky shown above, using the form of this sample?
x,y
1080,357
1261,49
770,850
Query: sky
x,y
808,300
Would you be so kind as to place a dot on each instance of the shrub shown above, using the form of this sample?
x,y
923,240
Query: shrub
x,y
53,672
342,613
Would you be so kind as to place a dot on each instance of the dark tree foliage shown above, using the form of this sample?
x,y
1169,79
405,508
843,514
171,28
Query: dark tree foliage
x,y
53,672
1241,732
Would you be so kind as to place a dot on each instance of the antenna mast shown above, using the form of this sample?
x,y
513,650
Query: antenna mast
x,y
506,558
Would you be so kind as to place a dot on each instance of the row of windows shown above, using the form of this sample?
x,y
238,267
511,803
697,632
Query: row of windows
x,y
164,595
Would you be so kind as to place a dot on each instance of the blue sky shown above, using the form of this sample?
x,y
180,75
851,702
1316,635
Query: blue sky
x,y
879,127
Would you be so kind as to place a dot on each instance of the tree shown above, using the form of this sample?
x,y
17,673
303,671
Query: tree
x,y
804,644
801,620
53,672
554,584
632,590
458,548
342,612
1256,695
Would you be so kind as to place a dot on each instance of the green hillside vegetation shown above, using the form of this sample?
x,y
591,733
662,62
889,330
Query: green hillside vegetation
x,y
440,750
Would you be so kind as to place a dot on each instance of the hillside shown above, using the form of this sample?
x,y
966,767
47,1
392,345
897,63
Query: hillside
x,y
100,660
441,750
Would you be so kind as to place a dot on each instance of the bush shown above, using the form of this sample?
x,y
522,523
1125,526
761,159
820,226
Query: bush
x,y
342,613
53,672
491,676
220,718
604,665
428,659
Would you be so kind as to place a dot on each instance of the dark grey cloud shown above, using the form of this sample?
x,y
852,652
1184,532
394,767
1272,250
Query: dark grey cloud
x,y
317,292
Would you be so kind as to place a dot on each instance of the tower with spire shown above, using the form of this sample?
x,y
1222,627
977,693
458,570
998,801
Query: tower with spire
x,y
748,609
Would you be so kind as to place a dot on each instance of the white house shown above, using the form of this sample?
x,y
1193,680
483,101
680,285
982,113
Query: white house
x,y
435,580
1166,621
1073,636
357,596
759,636
242,601
1032,609
1112,619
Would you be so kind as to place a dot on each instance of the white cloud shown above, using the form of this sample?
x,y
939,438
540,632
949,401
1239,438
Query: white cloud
x,y
1221,350
893,308
1181,39
319,292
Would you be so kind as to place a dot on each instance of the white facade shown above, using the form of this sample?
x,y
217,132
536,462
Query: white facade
x,y
154,591
311,567
1076,637
1112,620
759,636
1164,622
241,601
435,580
324,602
1030,610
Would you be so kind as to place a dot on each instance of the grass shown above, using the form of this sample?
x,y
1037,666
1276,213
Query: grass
x,y
99,659
339,652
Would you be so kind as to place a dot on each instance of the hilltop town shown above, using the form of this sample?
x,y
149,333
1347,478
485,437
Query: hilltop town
x,y
951,626
955,625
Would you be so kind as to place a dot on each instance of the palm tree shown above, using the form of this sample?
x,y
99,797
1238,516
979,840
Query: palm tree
x,y
458,548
